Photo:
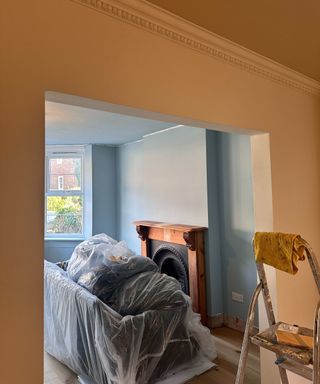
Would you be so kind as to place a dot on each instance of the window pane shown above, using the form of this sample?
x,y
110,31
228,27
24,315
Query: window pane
x,y
64,215
65,174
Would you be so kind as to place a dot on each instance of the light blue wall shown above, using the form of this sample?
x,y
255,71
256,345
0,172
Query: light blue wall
x,y
56,250
175,180
236,221
104,190
130,202
103,203
162,178
213,257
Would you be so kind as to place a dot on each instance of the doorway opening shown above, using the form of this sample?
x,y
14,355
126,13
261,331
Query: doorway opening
x,y
145,166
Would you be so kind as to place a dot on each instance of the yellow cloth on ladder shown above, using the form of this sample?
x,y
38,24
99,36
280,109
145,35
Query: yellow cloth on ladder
x,y
280,250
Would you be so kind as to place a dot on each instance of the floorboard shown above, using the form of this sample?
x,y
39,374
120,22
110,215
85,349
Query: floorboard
x,y
228,344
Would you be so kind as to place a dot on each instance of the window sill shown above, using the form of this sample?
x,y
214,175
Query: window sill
x,y
64,239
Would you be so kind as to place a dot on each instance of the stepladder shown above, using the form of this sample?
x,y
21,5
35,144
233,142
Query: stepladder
x,y
298,348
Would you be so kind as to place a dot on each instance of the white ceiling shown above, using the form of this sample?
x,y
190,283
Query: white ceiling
x,y
70,124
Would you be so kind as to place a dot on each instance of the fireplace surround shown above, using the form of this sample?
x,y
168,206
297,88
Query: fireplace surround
x,y
179,251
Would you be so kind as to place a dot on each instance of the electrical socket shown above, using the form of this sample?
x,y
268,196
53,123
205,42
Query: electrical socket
x,y
237,297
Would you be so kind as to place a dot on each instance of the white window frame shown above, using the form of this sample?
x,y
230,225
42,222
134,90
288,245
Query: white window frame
x,y
84,152
61,181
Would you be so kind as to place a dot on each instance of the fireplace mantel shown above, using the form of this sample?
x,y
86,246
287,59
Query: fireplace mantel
x,y
193,238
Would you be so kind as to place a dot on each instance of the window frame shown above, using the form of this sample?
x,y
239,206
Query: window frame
x,y
61,181
84,152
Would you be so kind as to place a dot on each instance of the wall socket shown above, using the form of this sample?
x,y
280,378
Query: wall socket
x,y
237,297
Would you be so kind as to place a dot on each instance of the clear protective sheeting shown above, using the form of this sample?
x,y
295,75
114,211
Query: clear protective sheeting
x,y
114,319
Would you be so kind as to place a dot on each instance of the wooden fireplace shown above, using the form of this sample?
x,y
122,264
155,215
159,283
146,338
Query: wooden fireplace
x,y
192,237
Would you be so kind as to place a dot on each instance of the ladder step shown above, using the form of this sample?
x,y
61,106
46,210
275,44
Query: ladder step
x,y
298,369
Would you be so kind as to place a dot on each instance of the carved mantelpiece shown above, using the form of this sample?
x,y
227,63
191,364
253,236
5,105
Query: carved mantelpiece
x,y
142,232
193,238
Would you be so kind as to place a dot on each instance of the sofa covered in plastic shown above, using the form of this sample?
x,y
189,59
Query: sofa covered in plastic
x,y
112,318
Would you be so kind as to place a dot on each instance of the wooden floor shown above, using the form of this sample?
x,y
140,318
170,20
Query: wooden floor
x,y
57,373
228,344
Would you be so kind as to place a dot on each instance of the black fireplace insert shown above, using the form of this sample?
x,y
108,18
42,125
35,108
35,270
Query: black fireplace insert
x,y
172,260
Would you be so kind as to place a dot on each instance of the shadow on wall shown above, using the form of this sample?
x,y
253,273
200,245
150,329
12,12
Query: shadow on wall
x,y
236,217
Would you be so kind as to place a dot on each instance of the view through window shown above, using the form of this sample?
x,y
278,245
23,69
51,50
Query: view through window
x,y
64,200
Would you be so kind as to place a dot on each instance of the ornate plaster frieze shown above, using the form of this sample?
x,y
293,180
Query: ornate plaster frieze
x,y
153,19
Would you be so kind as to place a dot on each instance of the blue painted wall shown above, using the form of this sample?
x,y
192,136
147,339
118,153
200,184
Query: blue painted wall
x,y
56,250
213,256
162,178
103,202
104,190
130,202
175,185
236,221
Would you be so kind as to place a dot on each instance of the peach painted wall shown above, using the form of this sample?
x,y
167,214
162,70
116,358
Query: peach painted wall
x,y
62,46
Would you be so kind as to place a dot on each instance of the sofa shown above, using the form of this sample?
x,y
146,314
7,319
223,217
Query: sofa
x,y
141,330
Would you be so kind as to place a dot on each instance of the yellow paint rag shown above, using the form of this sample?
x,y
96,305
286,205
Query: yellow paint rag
x,y
280,250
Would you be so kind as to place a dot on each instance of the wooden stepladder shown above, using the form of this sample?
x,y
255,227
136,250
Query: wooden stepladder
x,y
302,360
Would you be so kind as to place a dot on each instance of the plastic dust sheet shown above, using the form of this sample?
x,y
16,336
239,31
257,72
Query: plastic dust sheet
x,y
113,318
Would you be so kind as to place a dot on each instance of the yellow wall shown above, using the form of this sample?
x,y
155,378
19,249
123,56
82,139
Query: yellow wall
x,y
62,46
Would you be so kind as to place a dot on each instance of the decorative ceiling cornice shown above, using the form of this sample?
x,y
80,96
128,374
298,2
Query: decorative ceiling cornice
x,y
151,18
